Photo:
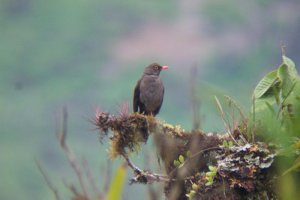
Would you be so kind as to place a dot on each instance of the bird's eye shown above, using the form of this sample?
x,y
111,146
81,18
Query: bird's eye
x,y
156,67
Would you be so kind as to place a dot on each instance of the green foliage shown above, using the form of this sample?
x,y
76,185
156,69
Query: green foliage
x,y
276,117
296,164
191,194
179,162
294,167
278,83
277,101
193,191
210,175
227,144
57,51
266,84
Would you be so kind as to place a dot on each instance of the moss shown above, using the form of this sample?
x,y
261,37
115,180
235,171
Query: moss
x,y
240,168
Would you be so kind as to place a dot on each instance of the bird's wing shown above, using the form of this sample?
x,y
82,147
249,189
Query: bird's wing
x,y
159,106
136,96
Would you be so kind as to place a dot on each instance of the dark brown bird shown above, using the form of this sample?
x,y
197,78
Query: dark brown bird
x,y
149,91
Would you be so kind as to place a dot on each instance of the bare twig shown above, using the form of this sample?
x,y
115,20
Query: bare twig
x,y
226,124
62,132
237,106
192,157
76,194
123,109
253,118
70,155
233,104
282,46
47,179
194,99
150,177
224,188
201,152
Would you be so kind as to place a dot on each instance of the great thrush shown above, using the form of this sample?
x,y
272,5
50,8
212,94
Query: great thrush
x,y
149,91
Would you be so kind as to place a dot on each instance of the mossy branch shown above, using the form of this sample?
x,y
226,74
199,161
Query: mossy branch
x,y
240,166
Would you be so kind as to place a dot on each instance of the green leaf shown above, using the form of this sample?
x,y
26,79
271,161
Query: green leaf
x,y
209,183
263,103
212,168
270,107
117,184
195,186
286,79
294,167
296,89
211,174
181,159
176,163
265,84
291,65
225,144
191,194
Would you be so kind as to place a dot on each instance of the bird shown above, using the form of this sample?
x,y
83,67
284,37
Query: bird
x,y
149,91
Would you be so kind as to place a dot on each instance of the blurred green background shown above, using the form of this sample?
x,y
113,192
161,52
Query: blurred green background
x,y
89,53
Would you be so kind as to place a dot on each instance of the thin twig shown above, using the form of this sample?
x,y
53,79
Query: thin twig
x,y
131,165
151,177
72,188
253,119
193,156
242,136
282,46
232,104
224,188
47,179
195,99
70,155
236,105
224,121
202,151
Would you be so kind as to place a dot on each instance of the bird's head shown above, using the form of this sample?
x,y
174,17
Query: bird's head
x,y
154,69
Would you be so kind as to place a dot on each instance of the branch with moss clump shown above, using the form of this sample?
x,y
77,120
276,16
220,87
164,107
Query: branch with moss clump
x,y
188,157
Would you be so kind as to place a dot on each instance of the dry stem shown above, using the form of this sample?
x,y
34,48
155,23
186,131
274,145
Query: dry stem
x,y
47,179
70,155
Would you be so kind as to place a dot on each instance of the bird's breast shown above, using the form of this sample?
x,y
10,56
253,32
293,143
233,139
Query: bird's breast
x,y
151,91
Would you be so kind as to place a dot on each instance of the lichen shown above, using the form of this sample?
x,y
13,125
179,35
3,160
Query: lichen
x,y
244,165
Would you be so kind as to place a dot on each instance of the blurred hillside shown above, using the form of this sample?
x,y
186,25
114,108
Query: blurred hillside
x,y
86,54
